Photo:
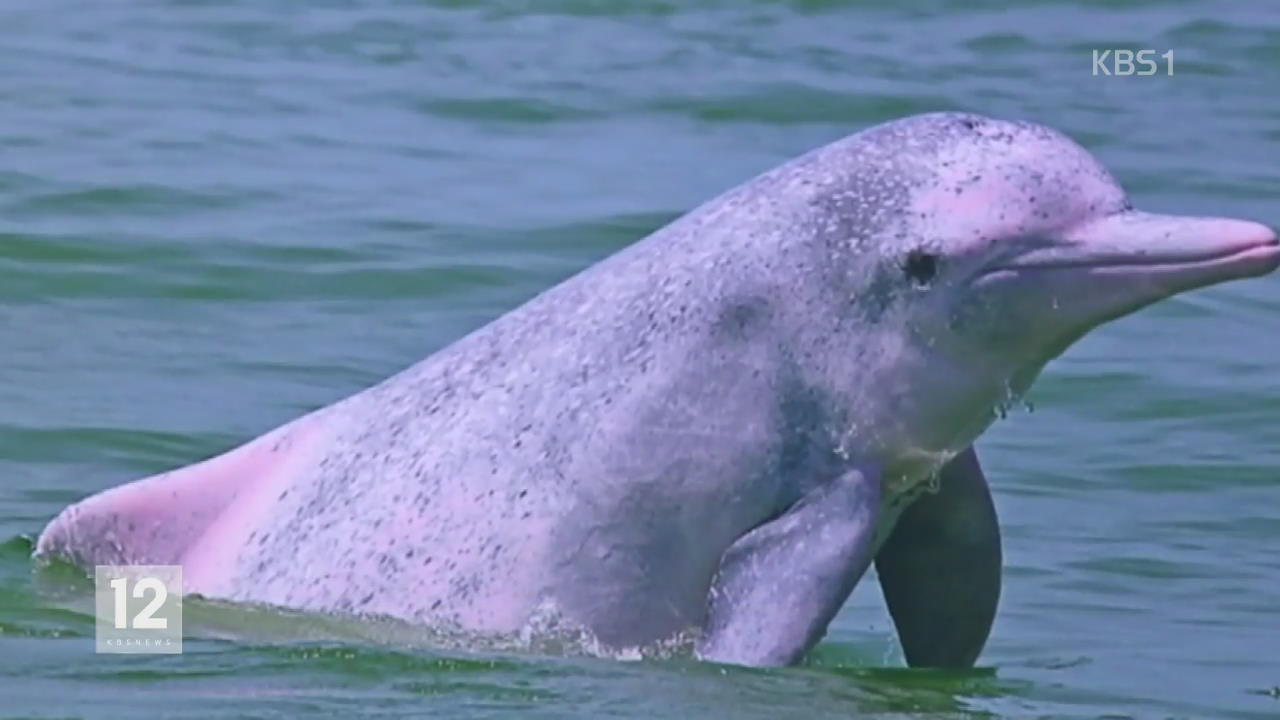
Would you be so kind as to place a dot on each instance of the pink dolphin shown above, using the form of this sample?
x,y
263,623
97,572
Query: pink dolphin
x,y
714,431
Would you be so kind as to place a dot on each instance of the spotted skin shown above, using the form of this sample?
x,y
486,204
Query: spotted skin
x,y
651,444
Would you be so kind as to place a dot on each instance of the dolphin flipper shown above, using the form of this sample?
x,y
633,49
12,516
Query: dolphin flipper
x,y
940,569
780,585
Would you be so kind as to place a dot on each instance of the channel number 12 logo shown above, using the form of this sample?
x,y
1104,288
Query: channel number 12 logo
x,y
139,608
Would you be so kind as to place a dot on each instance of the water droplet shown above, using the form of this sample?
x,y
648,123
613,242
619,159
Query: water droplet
x,y
1011,401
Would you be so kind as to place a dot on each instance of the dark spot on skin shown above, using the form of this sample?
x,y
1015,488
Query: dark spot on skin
x,y
738,317
920,267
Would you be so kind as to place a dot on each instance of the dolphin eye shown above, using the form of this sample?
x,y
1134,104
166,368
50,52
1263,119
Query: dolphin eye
x,y
920,267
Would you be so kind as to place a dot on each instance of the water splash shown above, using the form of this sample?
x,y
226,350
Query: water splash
x,y
549,632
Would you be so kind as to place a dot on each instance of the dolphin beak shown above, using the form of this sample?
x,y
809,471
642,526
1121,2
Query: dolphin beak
x,y
1108,267
1160,255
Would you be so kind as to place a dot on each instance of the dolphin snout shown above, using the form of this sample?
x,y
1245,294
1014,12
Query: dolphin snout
x,y
1176,252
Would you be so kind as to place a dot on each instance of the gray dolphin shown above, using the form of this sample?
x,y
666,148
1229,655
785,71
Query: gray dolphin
x,y
715,430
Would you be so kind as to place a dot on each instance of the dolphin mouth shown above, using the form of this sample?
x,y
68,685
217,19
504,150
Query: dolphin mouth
x,y
1193,250
1258,258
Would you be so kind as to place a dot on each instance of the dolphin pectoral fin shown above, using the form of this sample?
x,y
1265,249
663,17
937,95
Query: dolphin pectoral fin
x,y
779,586
940,569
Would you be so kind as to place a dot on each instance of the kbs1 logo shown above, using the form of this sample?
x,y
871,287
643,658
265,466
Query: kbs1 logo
x,y
138,608
1129,62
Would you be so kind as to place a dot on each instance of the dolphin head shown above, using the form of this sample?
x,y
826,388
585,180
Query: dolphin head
x,y
1011,243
